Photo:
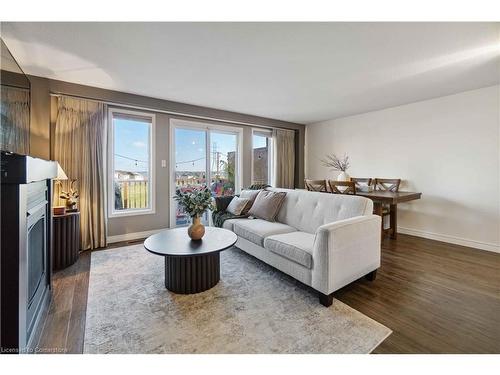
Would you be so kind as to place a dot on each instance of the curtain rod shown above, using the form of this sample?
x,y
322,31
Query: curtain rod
x,y
168,112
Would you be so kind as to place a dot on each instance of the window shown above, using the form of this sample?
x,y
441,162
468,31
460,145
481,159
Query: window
x,y
262,157
203,154
224,156
131,155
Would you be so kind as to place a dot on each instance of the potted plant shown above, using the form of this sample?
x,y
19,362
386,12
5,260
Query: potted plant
x,y
195,202
336,164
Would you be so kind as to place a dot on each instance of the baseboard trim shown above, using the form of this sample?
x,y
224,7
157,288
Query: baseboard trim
x,y
133,236
451,239
412,232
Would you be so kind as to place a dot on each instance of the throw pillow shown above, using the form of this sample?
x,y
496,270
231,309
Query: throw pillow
x,y
267,205
237,205
250,195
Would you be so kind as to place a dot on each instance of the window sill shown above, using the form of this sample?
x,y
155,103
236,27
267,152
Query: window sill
x,y
131,213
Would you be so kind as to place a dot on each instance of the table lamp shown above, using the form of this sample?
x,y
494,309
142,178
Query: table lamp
x,y
61,176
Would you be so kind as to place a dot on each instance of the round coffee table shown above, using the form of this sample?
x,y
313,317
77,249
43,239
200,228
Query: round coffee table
x,y
190,266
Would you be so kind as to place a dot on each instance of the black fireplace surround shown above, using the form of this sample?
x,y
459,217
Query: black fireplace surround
x,y
25,249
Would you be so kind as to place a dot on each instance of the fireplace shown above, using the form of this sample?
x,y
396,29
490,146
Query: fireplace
x,y
38,267
25,254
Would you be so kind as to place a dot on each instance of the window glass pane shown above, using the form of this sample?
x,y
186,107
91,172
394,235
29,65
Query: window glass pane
x,y
261,159
132,177
223,163
190,166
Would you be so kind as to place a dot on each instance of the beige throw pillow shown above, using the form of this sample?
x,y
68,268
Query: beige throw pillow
x,y
237,205
267,205
250,195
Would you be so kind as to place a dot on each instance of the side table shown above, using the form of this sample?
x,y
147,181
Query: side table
x,y
66,240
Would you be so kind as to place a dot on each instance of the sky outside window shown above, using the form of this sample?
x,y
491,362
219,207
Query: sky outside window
x,y
190,148
131,140
259,141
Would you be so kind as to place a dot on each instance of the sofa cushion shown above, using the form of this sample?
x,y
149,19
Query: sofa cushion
x,y
267,205
250,195
229,223
308,210
237,205
296,246
255,230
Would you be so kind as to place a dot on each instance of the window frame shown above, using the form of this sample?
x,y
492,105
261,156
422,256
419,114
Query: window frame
x,y
176,123
112,212
270,167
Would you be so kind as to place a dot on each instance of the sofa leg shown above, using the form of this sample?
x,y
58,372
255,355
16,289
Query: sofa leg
x,y
326,299
371,276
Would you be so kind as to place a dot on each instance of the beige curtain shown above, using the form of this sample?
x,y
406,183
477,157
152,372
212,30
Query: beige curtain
x,y
80,134
15,121
284,158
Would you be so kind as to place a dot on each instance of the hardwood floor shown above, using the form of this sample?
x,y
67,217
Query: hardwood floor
x,y
436,297
64,325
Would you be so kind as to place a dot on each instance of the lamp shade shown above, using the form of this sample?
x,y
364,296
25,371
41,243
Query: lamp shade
x,y
60,173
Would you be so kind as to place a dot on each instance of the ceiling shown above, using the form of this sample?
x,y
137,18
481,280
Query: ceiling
x,y
299,72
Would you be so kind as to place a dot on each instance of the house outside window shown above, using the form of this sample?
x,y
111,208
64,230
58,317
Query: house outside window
x,y
262,158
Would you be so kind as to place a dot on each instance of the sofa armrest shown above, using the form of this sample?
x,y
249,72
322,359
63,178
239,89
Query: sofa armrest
x,y
344,251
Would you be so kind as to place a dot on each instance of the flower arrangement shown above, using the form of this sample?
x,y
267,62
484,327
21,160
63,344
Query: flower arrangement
x,y
195,201
336,164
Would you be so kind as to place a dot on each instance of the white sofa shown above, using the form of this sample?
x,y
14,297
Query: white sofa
x,y
324,240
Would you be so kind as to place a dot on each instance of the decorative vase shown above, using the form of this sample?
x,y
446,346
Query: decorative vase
x,y
343,176
71,205
196,230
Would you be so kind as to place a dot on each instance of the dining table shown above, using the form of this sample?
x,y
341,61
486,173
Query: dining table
x,y
391,198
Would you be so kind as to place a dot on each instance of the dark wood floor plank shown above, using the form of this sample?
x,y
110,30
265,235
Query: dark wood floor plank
x,y
76,326
64,326
55,329
436,297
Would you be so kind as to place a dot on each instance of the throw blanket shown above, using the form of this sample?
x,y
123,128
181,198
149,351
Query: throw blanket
x,y
220,215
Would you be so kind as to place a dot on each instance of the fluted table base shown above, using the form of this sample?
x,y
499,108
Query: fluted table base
x,y
66,239
192,274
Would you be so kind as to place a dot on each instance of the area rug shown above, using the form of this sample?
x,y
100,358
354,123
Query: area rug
x,y
253,309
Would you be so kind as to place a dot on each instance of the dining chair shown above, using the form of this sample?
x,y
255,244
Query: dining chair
x,y
349,187
316,185
387,184
392,185
360,182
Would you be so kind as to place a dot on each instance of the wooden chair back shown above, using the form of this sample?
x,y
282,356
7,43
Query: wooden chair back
x,y
346,187
387,184
316,185
358,181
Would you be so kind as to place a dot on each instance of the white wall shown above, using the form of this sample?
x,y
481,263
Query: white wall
x,y
447,148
